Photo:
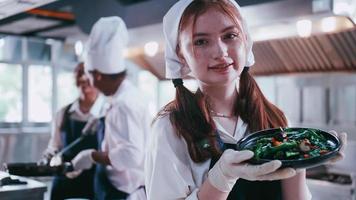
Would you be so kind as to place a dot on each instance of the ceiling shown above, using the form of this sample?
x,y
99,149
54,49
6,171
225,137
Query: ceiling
x,y
277,47
44,17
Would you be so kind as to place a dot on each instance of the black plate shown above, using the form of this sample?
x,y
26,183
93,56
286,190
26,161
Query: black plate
x,y
34,169
250,140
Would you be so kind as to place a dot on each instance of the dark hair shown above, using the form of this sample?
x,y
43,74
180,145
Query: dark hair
x,y
78,72
190,115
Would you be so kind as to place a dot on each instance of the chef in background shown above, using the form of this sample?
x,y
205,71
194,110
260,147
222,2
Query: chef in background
x,y
67,127
120,161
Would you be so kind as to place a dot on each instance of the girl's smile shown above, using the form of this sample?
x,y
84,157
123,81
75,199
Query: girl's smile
x,y
222,68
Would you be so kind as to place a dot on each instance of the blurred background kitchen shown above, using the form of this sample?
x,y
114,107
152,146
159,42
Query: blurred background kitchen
x,y
305,63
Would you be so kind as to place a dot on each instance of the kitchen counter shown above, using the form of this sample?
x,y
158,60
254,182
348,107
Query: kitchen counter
x,y
326,183
33,190
324,190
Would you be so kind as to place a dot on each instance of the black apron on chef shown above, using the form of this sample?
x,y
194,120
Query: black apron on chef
x,y
83,185
250,190
104,190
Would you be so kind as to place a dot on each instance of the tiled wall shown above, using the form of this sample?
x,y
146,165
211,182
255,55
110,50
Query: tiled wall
x,y
326,101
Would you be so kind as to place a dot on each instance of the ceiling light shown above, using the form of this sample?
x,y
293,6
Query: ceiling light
x,y
151,48
328,24
304,28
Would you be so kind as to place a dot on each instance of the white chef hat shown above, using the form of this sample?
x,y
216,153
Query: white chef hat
x,y
174,68
104,49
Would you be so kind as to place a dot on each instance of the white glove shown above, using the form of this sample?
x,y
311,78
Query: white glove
x,y
341,154
47,156
55,161
231,166
73,174
83,160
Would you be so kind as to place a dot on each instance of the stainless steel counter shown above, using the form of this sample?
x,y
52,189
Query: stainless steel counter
x,y
328,183
33,190
324,190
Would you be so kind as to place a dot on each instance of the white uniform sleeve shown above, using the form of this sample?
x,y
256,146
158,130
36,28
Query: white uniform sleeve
x,y
127,131
55,142
167,169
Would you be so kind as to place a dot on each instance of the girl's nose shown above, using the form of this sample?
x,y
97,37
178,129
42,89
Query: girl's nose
x,y
220,50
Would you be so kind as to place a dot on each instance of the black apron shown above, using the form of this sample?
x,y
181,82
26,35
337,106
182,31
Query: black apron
x,y
250,190
83,185
104,190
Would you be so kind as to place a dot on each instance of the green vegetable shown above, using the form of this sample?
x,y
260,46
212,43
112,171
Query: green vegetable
x,y
291,153
289,146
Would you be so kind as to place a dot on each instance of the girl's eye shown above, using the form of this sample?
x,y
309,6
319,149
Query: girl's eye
x,y
231,36
200,42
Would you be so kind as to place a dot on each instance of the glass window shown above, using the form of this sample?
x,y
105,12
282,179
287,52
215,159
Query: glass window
x,y
39,93
11,93
148,84
10,48
67,90
67,53
39,50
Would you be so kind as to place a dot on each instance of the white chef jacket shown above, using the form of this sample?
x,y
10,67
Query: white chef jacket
x,y
170,172
97,110
126,126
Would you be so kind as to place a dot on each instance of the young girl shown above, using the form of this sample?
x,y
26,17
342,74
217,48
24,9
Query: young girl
x,y
190,155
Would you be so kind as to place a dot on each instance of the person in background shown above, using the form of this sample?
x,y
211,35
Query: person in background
x,y
120,160
189,152
67,127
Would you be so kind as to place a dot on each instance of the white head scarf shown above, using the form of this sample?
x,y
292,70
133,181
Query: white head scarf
x,y
104,50
174,68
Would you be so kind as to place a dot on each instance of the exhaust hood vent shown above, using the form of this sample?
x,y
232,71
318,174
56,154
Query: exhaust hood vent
x,y
318,53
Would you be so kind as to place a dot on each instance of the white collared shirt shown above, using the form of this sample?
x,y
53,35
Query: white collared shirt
x,y
98,110
126,126
170,172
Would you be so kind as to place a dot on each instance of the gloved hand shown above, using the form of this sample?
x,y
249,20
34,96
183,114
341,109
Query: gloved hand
x,y
47,156
55,161
73,174
83,160
341,154
231,166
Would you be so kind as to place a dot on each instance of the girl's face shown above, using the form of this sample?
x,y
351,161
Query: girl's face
x,y
86,89
214,49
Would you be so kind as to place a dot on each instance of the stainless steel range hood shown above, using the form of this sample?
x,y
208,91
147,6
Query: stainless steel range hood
x,y
279,19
